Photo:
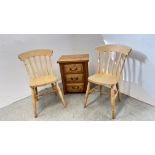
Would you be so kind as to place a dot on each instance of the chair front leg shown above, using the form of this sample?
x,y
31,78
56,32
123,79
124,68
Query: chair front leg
x,y
113,101
100,89
118,89
36,93
60,94
34,101
87,93
54,88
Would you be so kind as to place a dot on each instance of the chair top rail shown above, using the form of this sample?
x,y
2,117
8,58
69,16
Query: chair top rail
x,y
117,48
33,53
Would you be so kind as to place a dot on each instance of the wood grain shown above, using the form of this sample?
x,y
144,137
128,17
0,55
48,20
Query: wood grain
x,y
74,72
40,73
109,69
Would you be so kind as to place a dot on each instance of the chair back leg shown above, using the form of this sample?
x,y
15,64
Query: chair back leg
x,y
100,89
118,89
54,88
87,93
113,101
60,94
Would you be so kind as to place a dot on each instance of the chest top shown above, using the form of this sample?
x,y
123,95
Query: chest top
x,y
73,58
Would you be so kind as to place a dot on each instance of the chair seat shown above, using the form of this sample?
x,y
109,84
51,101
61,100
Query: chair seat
x,y
102,79
43,80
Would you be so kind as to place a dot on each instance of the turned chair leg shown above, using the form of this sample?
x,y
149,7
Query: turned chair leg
x,y
60,94
34,101
113,101
36,92
118,89
54,88
86,96
100,90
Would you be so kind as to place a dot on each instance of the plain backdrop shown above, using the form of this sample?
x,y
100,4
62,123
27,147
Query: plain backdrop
x,y
14,79
138,74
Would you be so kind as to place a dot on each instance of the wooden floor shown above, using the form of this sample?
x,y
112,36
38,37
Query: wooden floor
x,y
99,109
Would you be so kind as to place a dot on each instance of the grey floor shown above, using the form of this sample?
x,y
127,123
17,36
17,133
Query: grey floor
x,y
99,109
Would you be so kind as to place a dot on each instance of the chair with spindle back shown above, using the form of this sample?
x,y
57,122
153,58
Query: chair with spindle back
x,y
39,68
111,59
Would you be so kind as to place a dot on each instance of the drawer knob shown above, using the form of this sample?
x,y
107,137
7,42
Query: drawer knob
x,y
75,87
73,69
74,78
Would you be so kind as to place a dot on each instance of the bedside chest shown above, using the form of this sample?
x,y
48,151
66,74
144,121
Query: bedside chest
x,y
74,72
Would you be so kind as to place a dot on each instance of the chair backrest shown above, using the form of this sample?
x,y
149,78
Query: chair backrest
x,y
111,59
37,62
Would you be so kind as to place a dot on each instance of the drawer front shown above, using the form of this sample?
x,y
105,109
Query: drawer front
x,y
75,87
74,78
73,68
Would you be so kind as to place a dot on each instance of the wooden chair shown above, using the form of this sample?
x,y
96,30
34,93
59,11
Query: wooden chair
x,y
111,60
39,68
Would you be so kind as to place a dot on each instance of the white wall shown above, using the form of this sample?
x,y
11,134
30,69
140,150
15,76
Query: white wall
x,y
139,76
13,77
138,79
88,42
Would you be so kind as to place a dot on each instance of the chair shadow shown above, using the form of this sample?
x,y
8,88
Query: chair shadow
x,y
132,73
120,105
90,103
45,103
99,97
133,69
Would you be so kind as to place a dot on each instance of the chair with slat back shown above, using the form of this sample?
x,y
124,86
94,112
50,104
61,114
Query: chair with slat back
x,y
111,59
39,68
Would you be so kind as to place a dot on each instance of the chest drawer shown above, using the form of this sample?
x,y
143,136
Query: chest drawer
x,y
74,78
75,87
73,68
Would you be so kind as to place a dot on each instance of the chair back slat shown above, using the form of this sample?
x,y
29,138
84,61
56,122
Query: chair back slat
x,y
112,67
98,63
46,66
51,70
121,67
118,63
113,58
108,63
27,69
36,66
41,66
32,68
37,62
103,63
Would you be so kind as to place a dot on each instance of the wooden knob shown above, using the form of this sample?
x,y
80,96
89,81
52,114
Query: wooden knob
x,y
74,78
75,87
73,69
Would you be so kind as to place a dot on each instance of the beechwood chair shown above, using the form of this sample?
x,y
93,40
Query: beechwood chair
x,y
39,68
111,59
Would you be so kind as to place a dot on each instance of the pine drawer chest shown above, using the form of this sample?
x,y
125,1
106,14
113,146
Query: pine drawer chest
x,y
74,72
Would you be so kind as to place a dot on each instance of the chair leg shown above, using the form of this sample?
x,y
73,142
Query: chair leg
x,y
86,96
100,89
113,102
34,102
36,92
54,88
60,94
118,89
